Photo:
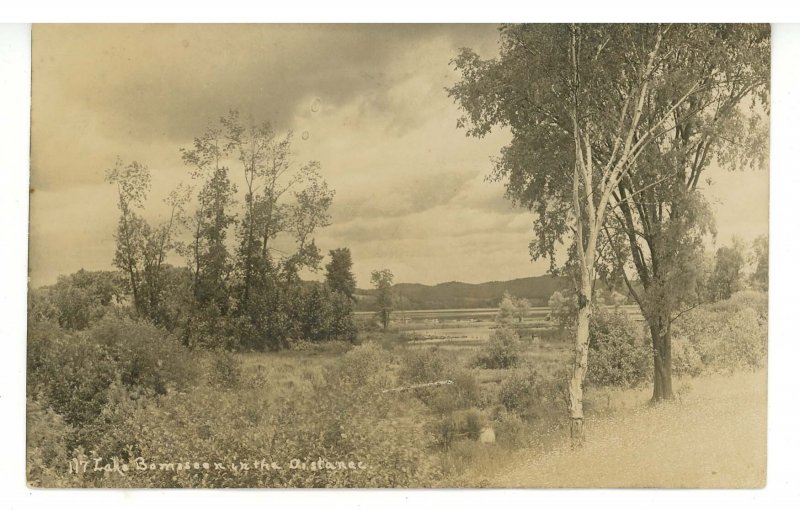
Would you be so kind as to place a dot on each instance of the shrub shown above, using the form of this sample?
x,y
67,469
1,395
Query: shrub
x,y
47,436
340,420
503,350
69,374
331,347
422,366
510,430
77,300
522,392
225,370
617,354
364,366
459,425
208,330
730,334
463,393
148,359
685,359
758,301
73,374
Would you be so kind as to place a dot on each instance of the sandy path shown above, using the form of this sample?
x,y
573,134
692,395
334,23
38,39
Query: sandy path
x,y
715,436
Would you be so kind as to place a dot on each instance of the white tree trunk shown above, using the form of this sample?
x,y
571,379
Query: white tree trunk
x,y
580,364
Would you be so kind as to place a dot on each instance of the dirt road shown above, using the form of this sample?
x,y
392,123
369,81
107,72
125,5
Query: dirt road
x,y
713,436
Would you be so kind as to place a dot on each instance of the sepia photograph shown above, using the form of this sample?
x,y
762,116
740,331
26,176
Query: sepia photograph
x,y
398,255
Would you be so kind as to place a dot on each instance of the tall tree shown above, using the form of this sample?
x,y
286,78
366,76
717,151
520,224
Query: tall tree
x,y
658,210
339,273
142,249
284,204
133,183
280,198
207,254
574,99
382,281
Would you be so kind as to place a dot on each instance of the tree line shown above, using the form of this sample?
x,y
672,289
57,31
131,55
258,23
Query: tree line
x,y
244,249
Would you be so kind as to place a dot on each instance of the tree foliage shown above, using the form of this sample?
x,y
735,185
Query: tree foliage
x,y
760,259
244,250
339,272
604,116
142,248
726,278
382,281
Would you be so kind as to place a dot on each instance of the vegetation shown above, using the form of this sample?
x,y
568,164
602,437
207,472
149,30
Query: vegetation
x,y
503,350
592,110
233,371
125,388
619,355
339,273
726,278
382,280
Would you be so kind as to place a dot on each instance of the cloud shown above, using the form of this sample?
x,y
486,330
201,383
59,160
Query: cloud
x,y
366,101
161,81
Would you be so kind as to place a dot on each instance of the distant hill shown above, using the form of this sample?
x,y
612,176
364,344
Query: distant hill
x,y
415,296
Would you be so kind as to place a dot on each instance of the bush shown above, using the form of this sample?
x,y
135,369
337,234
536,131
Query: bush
x,y
420,366
77,300
69,374
463,393
617,355
341,419
510,430
459,425
225,370
730,334
47,436
147,358
685,359
365,366
209,330
503,350
74,374
758,301
330,347
523,392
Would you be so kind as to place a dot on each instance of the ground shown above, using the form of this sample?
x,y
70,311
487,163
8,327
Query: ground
x,y
712,436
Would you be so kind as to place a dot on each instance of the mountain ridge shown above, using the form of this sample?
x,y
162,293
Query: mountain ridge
x,y
454,294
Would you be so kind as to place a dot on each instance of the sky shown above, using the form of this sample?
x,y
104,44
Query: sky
x,y
368,102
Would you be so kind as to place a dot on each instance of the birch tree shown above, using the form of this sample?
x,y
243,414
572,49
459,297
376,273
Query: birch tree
x,y
573,98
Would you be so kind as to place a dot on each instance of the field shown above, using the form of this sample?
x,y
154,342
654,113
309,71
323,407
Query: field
x,y
472,327
444,398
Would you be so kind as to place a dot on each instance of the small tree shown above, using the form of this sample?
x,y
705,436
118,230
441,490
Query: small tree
x,y
512,309
382,280
508,309
727,278
760,259
523,308
339,273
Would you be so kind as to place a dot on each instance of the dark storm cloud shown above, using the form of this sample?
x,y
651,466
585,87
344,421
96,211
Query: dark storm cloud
x,y
162,82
